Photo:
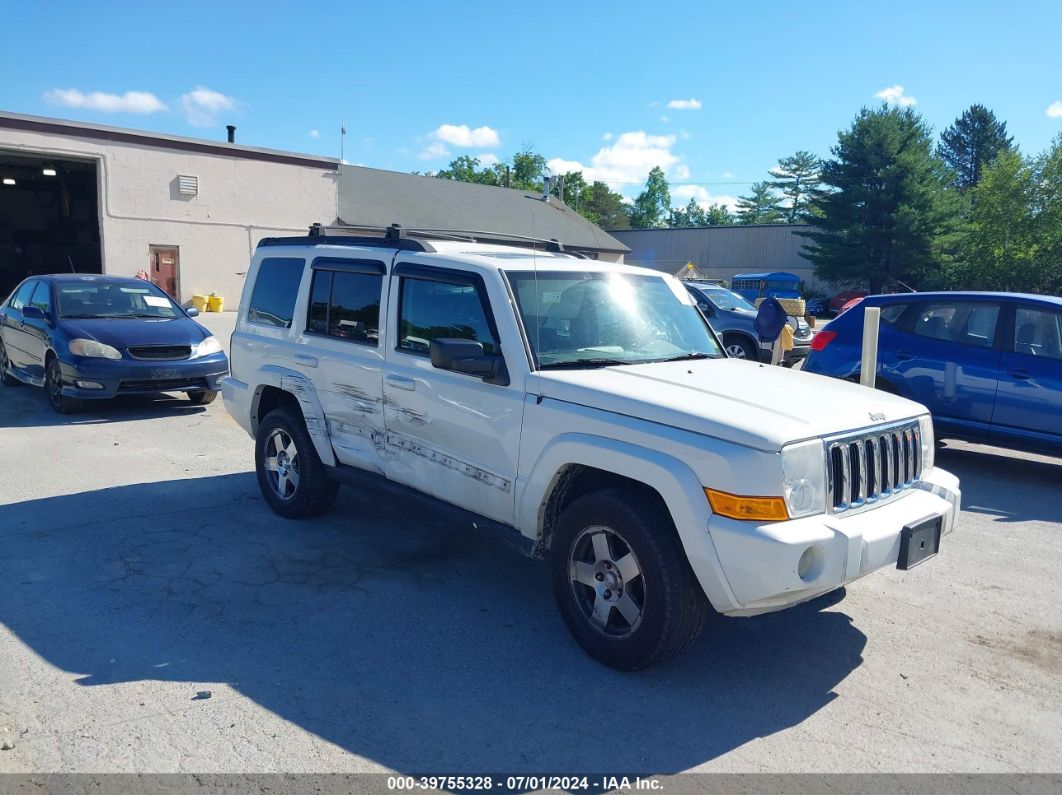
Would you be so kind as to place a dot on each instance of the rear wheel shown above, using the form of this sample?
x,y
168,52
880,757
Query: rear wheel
x,y
290,473
622,582
5,368
740,348
202,397
53,385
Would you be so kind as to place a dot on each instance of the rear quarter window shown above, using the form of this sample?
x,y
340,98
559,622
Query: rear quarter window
x,y
276,288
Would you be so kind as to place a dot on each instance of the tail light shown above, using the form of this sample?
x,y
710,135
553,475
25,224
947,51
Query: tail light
x,y
822,339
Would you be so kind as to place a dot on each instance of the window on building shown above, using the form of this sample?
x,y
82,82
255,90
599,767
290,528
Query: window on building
x,y
430,310
275,291
345,306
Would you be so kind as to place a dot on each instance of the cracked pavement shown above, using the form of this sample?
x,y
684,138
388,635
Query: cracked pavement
x,y
140,566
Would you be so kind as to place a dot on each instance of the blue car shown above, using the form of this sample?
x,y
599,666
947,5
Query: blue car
x,y
987,365
94,337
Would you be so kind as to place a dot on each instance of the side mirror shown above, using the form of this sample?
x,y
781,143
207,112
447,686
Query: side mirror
x,y
707,309
466,356
32,313
192,312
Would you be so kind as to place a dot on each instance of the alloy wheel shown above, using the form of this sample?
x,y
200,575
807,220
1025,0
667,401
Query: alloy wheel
x,y
606,581
735,351
281,463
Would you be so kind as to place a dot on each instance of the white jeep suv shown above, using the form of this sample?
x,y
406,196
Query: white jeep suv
x,y
586,412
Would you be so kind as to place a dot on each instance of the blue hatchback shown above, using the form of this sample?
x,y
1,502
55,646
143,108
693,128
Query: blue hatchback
x,y
91,337
987,365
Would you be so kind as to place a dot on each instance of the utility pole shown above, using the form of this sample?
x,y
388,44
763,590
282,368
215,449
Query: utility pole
x,y
342,148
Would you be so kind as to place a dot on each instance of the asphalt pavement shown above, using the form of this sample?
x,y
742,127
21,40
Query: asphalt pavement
x,y
155,616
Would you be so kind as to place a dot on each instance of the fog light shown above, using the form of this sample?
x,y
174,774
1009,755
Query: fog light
x,y
88,385
810,564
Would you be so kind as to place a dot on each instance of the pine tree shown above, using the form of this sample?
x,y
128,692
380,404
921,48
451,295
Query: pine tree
x,y
885,213
760,207
796,177
974,140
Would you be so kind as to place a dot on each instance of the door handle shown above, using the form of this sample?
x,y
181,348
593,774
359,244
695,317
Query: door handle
x,y
400,382
305,360
904,356
1021,375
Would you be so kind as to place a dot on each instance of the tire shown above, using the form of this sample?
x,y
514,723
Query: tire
x,y
202,397
53,387
637,578
290,473
740,348
5,376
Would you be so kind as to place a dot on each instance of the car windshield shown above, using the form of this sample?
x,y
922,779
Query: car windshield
x,y
599,319
114,299
726,299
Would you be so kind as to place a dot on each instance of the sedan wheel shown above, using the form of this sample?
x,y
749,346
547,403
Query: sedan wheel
x,y
5,369
607,582
53,385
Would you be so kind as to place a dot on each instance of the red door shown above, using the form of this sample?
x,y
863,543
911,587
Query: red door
x,y
165,268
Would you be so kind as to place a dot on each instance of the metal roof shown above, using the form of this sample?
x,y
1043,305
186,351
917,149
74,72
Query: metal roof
x,y
370,198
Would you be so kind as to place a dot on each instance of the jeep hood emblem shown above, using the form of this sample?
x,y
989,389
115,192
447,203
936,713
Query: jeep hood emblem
x,y
877,416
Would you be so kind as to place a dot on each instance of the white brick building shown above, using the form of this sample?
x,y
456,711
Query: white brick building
x,y
113,200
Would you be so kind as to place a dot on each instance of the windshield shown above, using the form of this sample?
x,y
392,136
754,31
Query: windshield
x,y
114,299
726,299
600,319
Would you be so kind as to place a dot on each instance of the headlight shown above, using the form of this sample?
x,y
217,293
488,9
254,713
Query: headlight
x,y
804,476
929,446
206,347
93,349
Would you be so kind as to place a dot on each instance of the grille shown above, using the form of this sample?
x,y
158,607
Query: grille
x,y
162,385
157,352
873,465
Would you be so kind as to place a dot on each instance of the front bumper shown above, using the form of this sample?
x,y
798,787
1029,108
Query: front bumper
x,y
124,376
760,562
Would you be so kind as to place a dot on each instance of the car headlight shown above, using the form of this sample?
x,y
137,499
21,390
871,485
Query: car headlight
x,y
206,347
929,446
93,349
804,477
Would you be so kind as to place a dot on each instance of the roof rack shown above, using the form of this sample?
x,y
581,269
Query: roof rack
x,y
393,237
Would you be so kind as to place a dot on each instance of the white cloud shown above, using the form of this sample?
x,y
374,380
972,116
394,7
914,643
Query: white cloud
x,y
434,151
487,160
1054,110
894,95
606,137
628,160
681,194
202,106
683,135
463,135
728,175
684,104
654,104
664,119
315,133
681,172
129,102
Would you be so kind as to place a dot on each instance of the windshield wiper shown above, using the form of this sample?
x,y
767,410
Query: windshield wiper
x,y
580,364
687,357
85,317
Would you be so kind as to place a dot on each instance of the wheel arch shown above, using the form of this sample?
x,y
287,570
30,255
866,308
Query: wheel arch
x,y
575,464
280,387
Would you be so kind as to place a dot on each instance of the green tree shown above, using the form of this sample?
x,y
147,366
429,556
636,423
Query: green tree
x,y
975,139
718,215
653,205
761,206
796,177
528,170
574,188
466,169
885,213
603,206
690,215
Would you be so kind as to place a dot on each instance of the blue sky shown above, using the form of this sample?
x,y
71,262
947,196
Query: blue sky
x,y
588,83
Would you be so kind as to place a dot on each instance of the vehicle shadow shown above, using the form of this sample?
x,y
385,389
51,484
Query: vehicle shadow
x,y
1004,485
417,644
27,407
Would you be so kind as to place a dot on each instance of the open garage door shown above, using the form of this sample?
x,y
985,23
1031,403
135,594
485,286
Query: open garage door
x,y
49,217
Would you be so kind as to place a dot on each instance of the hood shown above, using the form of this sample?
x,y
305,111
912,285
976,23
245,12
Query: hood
x,y
750,404
123,332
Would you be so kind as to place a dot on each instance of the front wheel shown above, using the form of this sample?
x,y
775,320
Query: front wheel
x,y
622,581
290,473
739,348
202,397
53,385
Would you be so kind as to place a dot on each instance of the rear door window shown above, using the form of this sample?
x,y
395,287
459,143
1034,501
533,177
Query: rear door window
x,y
1038,332
966,323
22,297
345,306
275,290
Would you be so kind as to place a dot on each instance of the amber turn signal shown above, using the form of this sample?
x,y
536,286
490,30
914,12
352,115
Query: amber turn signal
x,y
763,509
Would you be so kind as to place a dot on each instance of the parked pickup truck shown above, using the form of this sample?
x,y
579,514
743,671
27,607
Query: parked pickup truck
x,y
586,412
